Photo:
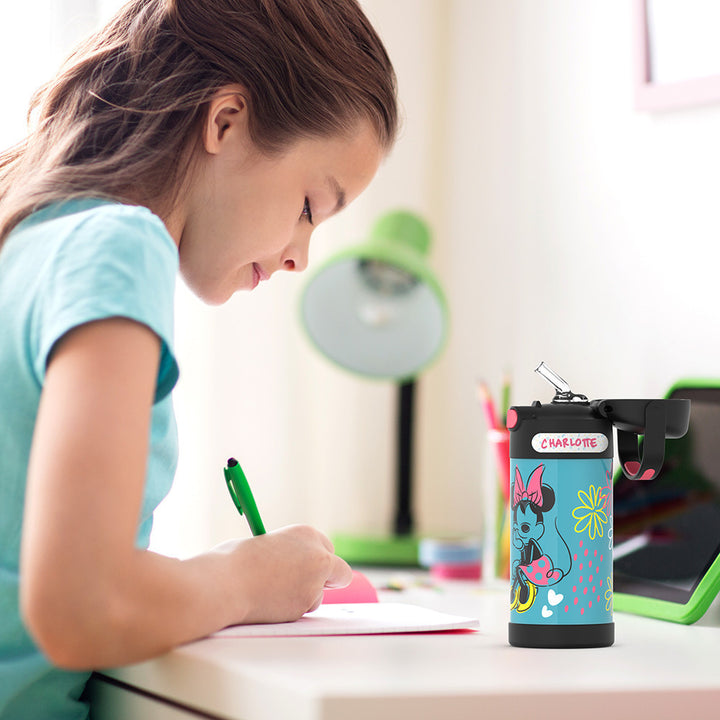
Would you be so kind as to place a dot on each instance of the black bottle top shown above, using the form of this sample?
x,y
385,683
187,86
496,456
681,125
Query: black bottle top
x,y
573,426
559,430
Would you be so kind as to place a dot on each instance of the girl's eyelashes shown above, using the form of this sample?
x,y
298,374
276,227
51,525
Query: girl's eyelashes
x,y
307,212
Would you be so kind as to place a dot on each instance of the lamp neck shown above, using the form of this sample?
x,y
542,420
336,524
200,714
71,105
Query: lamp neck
x,y
406,407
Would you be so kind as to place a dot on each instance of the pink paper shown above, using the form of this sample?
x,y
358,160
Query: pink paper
x,y
360,590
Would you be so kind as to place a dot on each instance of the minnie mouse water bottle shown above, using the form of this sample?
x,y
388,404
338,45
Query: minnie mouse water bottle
x,y
561,508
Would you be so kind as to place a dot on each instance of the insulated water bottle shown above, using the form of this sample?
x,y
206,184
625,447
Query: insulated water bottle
x,y
561,456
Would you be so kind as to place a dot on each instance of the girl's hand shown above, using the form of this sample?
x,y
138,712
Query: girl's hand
x,y
280,576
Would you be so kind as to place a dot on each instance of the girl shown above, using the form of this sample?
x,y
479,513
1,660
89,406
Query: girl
x,y
209,135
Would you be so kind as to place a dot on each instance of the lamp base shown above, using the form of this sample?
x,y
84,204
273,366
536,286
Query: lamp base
x,y
395,550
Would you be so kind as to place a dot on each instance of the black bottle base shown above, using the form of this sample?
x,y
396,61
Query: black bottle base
x,y
561,636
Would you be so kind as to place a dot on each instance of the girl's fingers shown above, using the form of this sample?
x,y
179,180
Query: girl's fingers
x,y
340,574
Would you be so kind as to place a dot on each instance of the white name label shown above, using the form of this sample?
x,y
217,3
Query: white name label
x,y
570,442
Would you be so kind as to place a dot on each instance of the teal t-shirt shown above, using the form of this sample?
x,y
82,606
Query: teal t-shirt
x,y
66,265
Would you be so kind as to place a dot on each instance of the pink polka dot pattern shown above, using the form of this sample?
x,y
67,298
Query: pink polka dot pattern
x,y
587,587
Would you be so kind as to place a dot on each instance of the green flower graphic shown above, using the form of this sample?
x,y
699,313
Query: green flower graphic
x,y
590,514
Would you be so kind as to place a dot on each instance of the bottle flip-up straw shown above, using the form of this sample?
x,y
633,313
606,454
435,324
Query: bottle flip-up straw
x,y
561,507
563,393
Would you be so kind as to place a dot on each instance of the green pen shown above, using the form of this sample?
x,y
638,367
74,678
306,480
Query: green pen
x,y
242,496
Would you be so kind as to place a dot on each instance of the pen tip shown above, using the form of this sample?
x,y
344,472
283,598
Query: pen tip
x,y
232,462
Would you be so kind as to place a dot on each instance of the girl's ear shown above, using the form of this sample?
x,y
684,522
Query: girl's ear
x,y
227,113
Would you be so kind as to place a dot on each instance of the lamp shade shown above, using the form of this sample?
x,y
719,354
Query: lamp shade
x,y
377,309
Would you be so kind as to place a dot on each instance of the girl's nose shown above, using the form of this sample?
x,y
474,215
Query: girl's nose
x,y
525,528
296,255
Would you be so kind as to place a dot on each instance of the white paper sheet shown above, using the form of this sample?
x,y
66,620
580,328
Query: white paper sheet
x,y
356,619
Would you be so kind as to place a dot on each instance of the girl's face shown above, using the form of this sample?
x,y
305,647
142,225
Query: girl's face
x,y
246,215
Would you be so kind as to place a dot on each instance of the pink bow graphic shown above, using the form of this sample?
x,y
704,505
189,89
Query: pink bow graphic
x,y
533,493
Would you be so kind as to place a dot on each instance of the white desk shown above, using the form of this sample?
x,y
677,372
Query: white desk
x,y
655,670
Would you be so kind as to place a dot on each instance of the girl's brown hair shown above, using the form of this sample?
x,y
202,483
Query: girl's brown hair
x,y
122,118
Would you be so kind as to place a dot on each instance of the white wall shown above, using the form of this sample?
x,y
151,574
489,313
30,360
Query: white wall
x,y
34,38
575,230
569,228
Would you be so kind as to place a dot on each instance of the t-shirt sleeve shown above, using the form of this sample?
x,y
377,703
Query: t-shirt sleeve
x,y
119,261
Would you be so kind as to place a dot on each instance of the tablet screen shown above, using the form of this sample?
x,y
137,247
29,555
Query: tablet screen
x,y
666,531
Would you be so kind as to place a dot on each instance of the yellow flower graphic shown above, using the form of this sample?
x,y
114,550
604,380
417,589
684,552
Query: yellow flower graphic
x,y
609,595
590,514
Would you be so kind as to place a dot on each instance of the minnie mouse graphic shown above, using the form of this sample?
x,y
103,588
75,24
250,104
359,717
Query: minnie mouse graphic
x,y
535,567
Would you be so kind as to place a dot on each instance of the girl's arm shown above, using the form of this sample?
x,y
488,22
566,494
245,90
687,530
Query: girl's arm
x,y
88,596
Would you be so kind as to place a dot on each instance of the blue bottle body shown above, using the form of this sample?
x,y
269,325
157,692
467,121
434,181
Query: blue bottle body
x,y
561,527
561,542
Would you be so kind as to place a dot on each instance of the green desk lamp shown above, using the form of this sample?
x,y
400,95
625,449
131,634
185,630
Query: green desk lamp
x,y
378,311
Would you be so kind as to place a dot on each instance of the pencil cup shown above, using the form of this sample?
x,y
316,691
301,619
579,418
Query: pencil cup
x,y
496,560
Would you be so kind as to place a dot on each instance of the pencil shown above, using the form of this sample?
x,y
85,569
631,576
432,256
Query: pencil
x,y
487,405
505,402
497,435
